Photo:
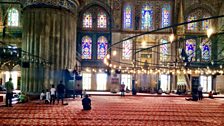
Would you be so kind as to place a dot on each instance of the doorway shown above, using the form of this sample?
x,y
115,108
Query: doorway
x,y
165,82
101,80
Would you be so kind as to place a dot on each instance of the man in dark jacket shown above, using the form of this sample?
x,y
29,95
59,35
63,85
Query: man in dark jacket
x,y
60,91
9,92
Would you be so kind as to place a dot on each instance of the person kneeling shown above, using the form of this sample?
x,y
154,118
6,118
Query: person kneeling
x,y
86,103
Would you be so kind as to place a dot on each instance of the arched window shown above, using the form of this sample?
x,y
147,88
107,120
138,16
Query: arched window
x,y
86,47
147,17
13,17
206,50
166,15
101,20
205,23
87,20
190,49
127,17
102,47
127,50
192,26
163,50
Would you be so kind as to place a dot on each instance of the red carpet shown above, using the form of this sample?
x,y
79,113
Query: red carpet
x,y
115,110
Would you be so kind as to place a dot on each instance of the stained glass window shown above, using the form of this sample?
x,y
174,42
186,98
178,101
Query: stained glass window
x,y
127,18
86,47
127,50
190,49
205,24
101,20
87,20
166,15
163,50
205,49
13,17
147,17
192,26
101,47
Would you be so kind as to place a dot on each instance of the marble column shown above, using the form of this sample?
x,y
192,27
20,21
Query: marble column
x,y
49,38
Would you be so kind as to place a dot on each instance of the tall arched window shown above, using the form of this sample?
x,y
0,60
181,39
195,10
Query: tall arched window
x,y
205,23
163,50
101,20
86,47
190,49
87,20
127,50
13,17
166,15
192,26
147,17
102,45
127,17
206,50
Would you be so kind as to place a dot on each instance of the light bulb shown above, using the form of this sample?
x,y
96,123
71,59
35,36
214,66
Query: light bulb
x,y
114,53
210,32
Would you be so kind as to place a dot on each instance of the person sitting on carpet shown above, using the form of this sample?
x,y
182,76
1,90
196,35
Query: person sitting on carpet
x,y
86,103
22,98
210,94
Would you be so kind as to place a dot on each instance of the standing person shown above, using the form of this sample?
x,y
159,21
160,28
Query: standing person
x,y
122,88
60,92
53,93
9,92
86,103
48,95
200,89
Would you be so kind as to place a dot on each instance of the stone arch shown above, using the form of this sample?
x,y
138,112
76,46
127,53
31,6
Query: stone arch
x,y
204,7
17,68
104,6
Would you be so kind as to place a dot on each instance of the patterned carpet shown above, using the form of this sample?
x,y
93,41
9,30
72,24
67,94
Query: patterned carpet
x,y
115,110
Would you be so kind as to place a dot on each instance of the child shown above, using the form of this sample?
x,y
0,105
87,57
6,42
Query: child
x,y
53,93
42,96
48,95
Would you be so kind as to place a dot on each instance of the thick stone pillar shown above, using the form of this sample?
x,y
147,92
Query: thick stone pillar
x,y
49,38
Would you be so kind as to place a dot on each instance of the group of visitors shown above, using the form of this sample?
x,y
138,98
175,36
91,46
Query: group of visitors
x,y
50,95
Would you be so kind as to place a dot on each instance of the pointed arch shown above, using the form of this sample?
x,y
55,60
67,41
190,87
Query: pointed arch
x,y
101,20
86,47
166,15
102,45
206,23
127,16
147,17
13,17
163,50
206,49
127,50
87,20
190,49
192,26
